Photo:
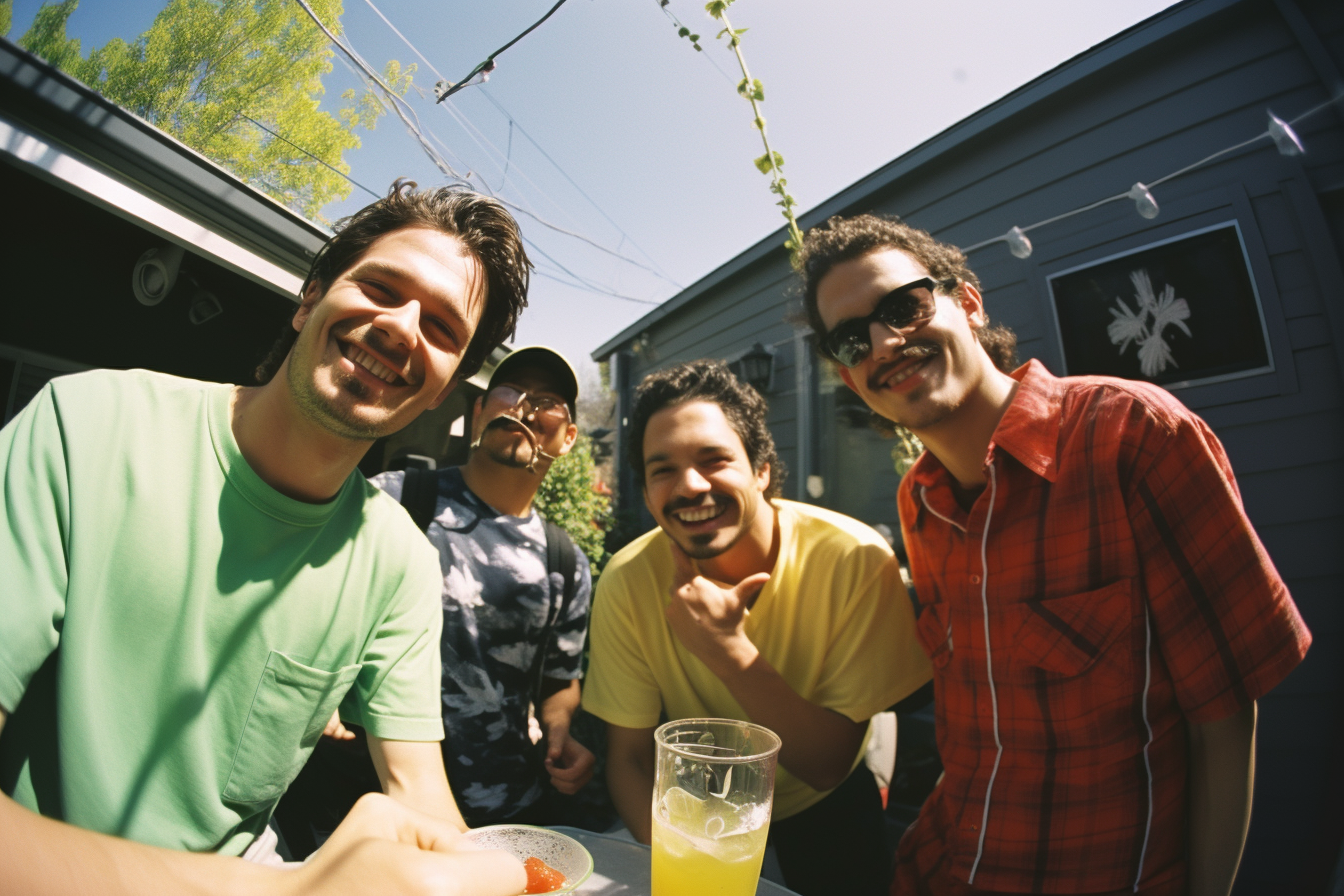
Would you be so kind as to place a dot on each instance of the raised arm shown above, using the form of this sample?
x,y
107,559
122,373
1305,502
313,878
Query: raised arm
x,y
412,773
819,744
381,847
630,777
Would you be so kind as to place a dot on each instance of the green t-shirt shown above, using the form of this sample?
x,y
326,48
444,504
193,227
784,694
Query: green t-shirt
x,y
175,632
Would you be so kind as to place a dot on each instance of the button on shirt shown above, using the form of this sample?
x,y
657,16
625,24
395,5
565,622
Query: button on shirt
x,y
1104,589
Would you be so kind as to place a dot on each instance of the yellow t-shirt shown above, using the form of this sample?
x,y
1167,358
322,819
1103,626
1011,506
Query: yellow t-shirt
x,y
834,620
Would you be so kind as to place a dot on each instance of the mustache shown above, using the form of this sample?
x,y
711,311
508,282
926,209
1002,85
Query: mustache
x,y
504,420
917,352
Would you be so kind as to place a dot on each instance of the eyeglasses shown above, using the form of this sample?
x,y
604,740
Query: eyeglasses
x,y
905,308
542,406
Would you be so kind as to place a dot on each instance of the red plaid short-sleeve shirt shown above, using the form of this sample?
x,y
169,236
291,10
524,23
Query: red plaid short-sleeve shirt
x,y
1105,589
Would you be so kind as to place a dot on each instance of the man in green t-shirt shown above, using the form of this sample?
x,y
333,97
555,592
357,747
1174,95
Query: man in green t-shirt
x,y
196,578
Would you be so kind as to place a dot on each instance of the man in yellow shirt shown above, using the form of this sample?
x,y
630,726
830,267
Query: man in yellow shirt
x,y
742,605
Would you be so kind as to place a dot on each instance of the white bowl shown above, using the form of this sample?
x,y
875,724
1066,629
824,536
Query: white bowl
x,y
560,851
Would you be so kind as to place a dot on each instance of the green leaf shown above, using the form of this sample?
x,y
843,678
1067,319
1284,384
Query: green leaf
x,y
759,123
765,163
683,31
717,8
757,90
743,87
695,38
204,67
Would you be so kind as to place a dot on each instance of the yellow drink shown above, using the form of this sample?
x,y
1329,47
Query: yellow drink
x,y
706,847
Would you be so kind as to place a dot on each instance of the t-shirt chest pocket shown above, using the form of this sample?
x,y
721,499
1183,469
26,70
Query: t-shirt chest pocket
x,y
289,711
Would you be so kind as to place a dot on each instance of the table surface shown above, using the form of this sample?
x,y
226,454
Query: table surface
x,y
621,867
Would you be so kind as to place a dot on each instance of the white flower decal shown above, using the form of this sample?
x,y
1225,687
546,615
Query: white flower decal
x,y
1134,326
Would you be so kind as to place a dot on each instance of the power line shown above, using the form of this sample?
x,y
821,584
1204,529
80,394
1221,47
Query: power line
x,y
463,121
662,4
513,122
415,129
586,282
489,63
310,155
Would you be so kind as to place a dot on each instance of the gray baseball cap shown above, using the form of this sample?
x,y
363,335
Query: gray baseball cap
x,y
547,359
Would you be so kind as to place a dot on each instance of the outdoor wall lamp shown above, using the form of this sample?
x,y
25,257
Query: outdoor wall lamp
x,y
757,367
155,274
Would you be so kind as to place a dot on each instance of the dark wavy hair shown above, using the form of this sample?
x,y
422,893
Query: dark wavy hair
x,y
486,230
841,239
708,381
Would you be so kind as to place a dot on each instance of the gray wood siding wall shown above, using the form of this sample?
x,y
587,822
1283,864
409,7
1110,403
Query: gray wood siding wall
x,y
1167,105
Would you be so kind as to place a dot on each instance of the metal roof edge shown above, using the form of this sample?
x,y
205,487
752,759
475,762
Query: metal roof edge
x,y
60,108
1142,34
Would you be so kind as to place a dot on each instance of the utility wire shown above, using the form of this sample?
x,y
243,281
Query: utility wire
x,y
586,282
414,127
575,185
513,123
489,63
662,4
413,122
310,155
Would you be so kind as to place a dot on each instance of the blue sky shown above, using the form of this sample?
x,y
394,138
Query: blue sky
x,y
653,134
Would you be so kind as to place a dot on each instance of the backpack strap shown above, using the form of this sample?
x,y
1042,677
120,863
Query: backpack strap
x,y
420,495
560,558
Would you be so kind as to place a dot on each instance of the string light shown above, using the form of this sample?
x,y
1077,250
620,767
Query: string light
x,y
1284,137
1018,244
1281,132
1143,201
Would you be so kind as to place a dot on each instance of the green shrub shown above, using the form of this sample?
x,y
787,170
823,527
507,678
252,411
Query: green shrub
x,y
569,498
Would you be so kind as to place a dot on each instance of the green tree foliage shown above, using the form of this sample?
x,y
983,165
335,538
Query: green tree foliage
x,y
6,15
205,67
568,497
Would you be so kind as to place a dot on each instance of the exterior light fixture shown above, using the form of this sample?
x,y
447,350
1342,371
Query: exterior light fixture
x,y
1018,244
155,274
1144,201
1284,137
757,367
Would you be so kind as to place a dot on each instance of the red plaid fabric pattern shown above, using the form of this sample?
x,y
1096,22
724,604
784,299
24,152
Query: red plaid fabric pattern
x,y
1109,578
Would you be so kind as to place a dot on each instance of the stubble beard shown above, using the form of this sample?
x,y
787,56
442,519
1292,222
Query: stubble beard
x,y
920,410
326,413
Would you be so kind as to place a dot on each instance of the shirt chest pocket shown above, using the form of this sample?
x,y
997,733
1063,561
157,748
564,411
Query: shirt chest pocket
x,y
289,711
1078,633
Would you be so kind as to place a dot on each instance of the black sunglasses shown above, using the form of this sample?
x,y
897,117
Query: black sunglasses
x,y
904,308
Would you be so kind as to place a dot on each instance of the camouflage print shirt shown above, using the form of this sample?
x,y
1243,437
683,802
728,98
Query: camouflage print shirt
x,y
496,598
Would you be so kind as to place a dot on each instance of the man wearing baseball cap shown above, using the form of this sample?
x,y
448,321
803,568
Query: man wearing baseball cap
x,y
515,611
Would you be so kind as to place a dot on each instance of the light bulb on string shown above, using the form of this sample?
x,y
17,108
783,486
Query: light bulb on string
x,y
1017,241
1284,137
1143,201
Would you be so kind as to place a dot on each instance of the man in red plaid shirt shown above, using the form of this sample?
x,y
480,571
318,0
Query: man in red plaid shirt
x,y
1100,615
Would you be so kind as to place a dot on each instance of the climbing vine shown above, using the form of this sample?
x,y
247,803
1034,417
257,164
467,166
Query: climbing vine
x,y
751,89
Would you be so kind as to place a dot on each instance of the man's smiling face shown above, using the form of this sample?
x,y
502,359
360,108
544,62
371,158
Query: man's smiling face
x,y
384,341
698,480
917,378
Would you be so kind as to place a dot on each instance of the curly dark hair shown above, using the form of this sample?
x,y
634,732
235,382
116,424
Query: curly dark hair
x,y
708,381
484,226
841,239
